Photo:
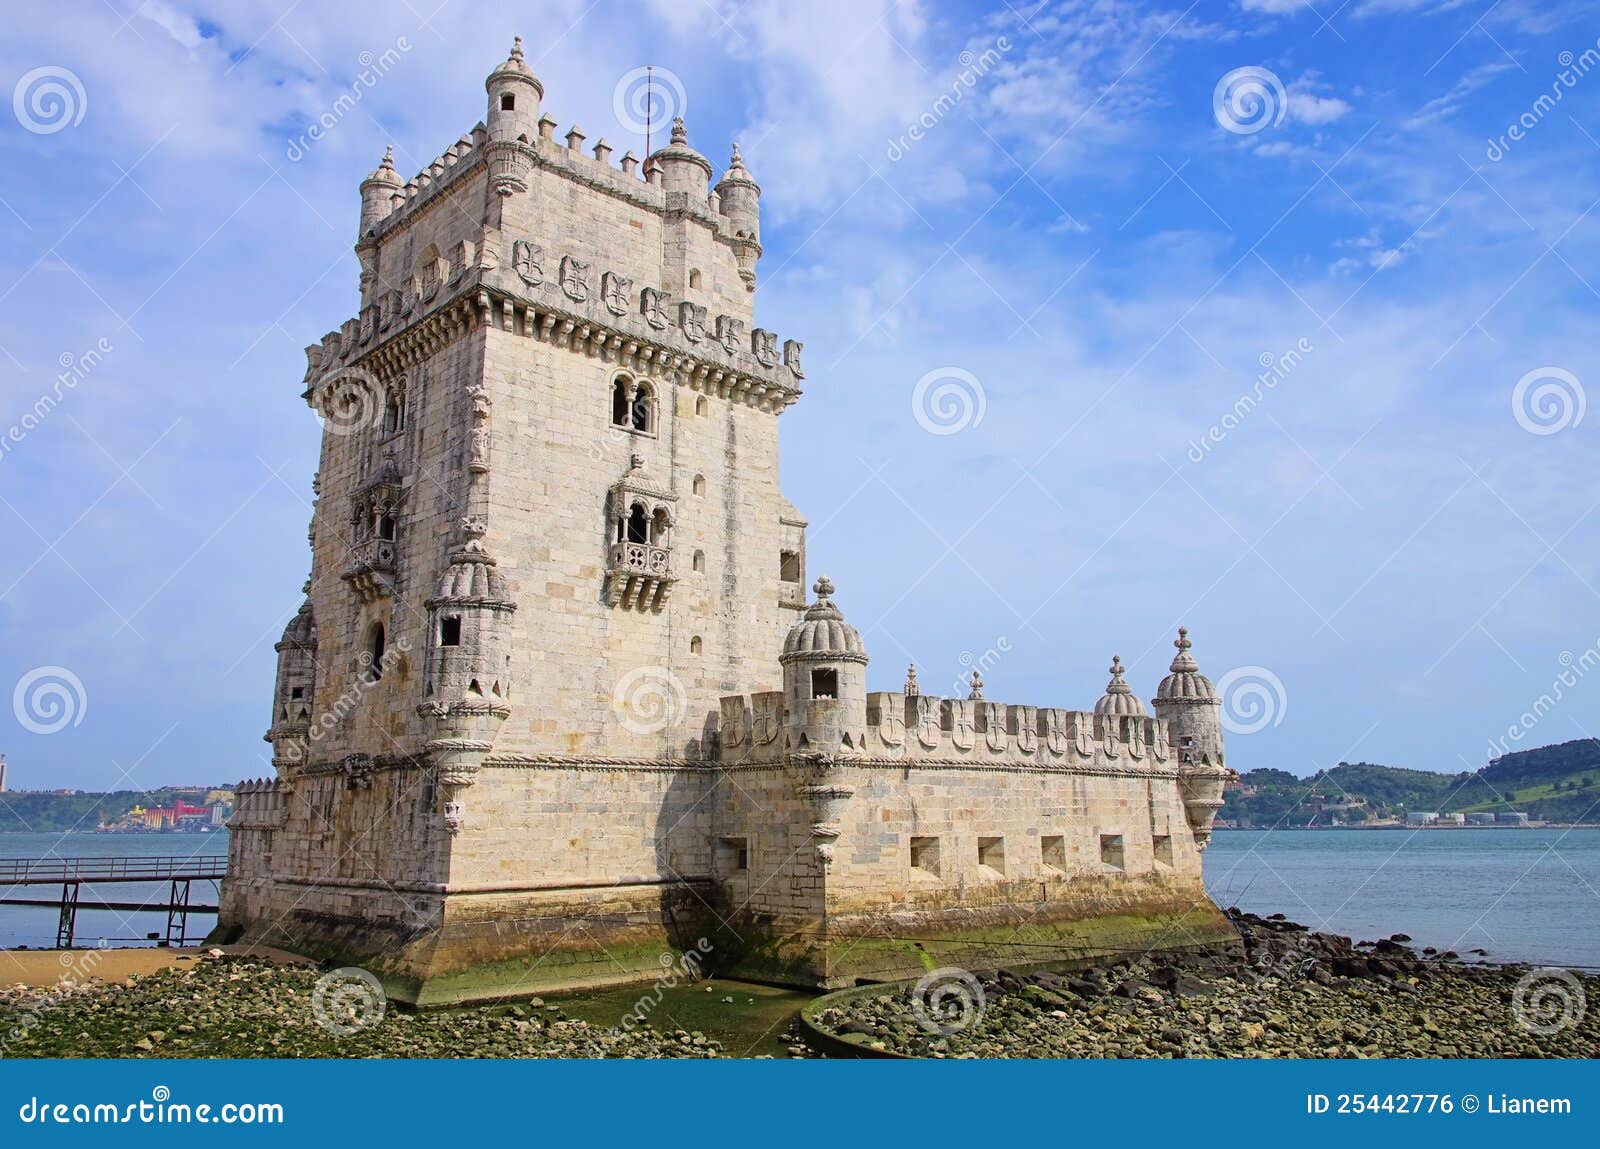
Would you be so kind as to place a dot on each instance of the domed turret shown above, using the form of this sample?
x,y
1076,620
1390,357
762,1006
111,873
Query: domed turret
x,y
682,168
1119,700
1187,700
740,199
514,96
296,686
377,192
825,677
1185,681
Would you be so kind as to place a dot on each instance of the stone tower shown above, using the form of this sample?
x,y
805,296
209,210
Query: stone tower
x,y
556,702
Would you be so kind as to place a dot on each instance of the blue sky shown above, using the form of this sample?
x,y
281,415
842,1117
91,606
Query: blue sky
x,y
1391,544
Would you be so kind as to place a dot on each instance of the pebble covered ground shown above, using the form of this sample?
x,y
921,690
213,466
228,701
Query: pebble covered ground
x,y
1297,994
238,1007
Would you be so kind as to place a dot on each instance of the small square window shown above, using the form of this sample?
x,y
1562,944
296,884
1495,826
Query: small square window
x,y
733,855
1053,851
925,856
508,103
1111,850
824,684
450,631
1163,849
992,854
297,692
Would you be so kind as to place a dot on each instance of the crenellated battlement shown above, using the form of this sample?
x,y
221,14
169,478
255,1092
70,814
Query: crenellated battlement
x,y
261,804
916,728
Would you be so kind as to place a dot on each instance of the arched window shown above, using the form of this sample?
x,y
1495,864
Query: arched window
x,y
700,561
660,528
695,645
393,413
373,654
638,525
694,277
386,527
619,402
644,408
701,407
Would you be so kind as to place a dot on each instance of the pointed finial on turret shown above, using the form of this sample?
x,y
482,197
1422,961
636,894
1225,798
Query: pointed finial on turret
x,y
737,161
516,47
1117,685
823,588
680,134
388,157
911,689
1183,660
977,687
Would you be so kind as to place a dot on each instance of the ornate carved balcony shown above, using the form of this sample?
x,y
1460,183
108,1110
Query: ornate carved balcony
x,y
371,575
638,576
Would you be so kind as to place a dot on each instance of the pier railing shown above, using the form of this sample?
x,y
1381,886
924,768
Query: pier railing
x,y
48,871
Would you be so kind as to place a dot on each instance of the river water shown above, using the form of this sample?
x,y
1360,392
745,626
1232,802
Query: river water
x,y
1521,895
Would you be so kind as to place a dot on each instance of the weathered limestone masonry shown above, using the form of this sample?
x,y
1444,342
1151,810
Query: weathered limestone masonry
x,y
552,707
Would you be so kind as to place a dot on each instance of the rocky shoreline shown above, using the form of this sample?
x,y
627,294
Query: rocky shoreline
x,y
1297,994
221,1006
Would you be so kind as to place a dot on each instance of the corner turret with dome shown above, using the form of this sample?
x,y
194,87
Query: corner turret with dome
x,y
556,698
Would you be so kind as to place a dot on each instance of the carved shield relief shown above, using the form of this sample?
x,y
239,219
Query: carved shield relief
x,y
653,306
730,333
614,288
927,715
734,730
994,733
764,346
692,319
1159,744
962,731
1083,735
766,716
892,720
1136,737
1027,729
575,278
527,259
1055,732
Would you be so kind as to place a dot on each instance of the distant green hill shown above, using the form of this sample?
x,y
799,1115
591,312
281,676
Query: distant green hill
x,y
1551,784
55,813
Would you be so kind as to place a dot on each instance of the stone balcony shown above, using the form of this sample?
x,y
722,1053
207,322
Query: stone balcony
x,y
792,595
638,576
371,573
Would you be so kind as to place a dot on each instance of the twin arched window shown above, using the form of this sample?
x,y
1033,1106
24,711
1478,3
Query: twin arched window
x,y
639,526
633,405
